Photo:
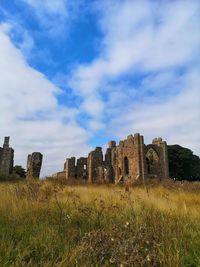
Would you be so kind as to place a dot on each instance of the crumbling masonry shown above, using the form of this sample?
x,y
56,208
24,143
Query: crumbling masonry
x,y
6,158
34,163
128,161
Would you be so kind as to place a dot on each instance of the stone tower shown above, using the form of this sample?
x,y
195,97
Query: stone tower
x,y
34,163
6,158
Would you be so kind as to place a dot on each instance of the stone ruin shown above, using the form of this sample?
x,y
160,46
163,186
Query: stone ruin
x,y
128,161
6,158
34,163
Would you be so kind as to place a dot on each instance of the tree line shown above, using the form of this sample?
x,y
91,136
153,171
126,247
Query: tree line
x,y
183,164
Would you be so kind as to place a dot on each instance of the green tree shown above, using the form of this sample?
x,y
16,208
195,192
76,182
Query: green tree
x,y
19,170
183,164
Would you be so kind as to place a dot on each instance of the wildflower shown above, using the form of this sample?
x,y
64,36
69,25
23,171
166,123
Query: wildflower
x,y
67,217
111,261
127,224
148,258
112,239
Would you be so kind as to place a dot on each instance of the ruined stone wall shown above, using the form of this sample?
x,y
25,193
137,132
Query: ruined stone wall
x,y
59,175
157,159
127,162
129,159
94,162
28,163
6,158
110,162
70,168
81,168
34,163
1,150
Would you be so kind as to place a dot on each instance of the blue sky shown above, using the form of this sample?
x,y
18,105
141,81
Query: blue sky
x,y
75,74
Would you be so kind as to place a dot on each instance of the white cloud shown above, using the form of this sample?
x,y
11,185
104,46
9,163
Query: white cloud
x,y
133,38
50,7
176,119
54,16
31,115
151,39
5,27
23,38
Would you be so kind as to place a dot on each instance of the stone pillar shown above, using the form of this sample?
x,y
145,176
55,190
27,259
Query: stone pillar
x,y
142,158
110,161
34,163
6,158
70,168
28,164
163,156
119,167
165,159
138,155
95,160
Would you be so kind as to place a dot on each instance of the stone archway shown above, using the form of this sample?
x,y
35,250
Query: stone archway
x,y
152,161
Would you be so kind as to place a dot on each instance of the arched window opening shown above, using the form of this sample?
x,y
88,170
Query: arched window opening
x,y
120,171
84,167
152,161
126,166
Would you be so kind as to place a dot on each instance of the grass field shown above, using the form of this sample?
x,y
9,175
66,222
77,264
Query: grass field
x,y
51,224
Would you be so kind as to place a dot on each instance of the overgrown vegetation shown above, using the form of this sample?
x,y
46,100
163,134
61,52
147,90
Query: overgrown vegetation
x,y
51,224
18,173
183,164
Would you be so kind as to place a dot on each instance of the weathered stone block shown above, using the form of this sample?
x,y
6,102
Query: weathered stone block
x,y
70,168
34,163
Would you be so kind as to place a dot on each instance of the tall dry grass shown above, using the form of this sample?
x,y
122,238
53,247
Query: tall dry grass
x,y
52,224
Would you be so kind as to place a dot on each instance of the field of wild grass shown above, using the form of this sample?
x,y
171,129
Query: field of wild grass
x,y
50,224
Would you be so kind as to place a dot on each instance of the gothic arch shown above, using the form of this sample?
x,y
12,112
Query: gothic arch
x,y
152,161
